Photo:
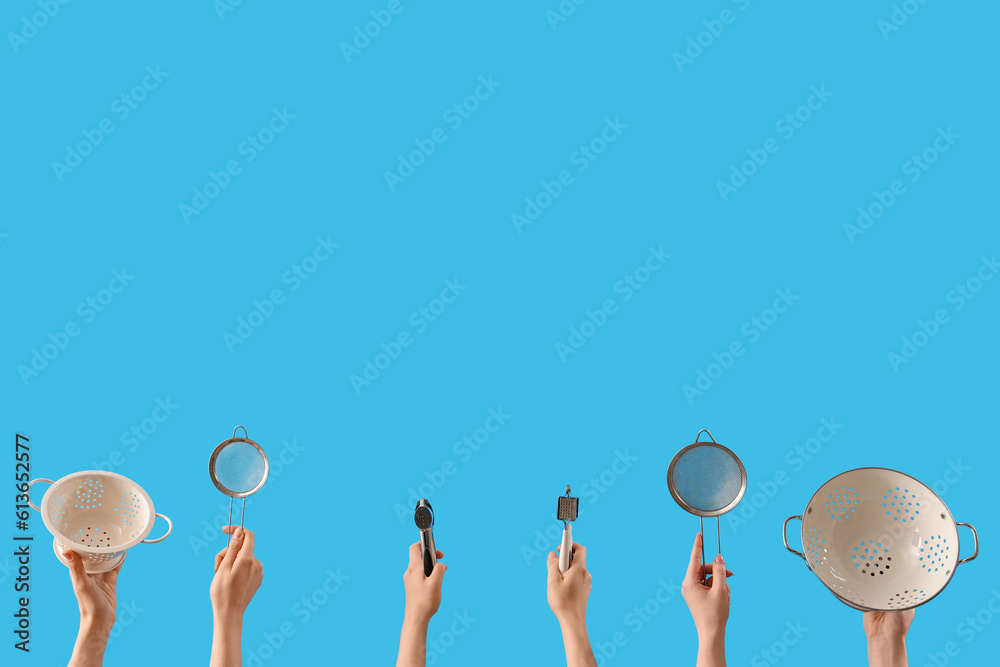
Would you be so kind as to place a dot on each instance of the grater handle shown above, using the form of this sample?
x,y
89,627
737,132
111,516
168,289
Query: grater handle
x,y
170,529
42,479
784,536
566,551
975,539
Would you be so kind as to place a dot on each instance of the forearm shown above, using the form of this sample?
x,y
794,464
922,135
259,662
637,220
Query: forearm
x,y
887,652
227,636
577,644
413,642
712,649
91,642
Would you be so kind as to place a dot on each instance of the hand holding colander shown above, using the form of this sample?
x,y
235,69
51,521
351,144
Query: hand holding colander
x,y
880,540
99,515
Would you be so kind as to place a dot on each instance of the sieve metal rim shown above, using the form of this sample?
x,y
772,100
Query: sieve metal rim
x,y
684,505
215,454
56,533
916,484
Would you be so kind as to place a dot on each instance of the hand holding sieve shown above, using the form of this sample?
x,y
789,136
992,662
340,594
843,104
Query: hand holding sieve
x,y
238,468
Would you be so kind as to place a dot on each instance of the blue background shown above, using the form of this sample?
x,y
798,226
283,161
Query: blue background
x,y
357,454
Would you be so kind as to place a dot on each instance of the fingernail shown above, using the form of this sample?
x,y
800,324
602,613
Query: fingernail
x,y
68,555
718,559
238,533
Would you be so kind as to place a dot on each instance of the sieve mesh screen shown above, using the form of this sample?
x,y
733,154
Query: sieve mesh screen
x,y
240,467
707,478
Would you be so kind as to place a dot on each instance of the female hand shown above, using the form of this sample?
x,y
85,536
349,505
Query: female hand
x,y
238,575
96,596
568,591
708,604
423,593
886,633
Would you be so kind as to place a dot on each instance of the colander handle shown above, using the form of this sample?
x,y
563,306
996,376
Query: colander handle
x,y
170,529
975,539
42,479
784,536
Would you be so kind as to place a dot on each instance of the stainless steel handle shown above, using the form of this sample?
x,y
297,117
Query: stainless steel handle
x,y
975,539
784,536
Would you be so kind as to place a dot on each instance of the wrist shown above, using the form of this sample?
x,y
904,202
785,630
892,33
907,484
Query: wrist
x,y
887,645
417,619
96,626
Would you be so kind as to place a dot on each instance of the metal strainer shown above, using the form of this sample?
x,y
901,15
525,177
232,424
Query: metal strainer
x,y
880,540
99,515
707,479
238,468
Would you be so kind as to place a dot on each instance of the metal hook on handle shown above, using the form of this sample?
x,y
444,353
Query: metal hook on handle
x,y
784,536
975,539
705,430
170,529
245,434
35,481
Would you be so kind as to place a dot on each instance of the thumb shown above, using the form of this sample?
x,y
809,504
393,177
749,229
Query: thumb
x,y
234,549
77,572
719,576
437,574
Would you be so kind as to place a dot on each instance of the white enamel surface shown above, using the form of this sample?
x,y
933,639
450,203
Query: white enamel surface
x,y
98,515
880,539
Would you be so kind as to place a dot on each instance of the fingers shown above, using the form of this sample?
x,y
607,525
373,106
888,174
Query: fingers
x,y
437,574
233,549
77,573
694,566
416,561
552,563
580,555
218,558
709,569
440,554
246,548
719,585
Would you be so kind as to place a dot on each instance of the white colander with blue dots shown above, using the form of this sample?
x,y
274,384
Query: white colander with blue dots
x,y
880,540
99,515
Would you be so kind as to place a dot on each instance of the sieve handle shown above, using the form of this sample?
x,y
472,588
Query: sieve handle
x,y
170,529
42,479
784,536
975,539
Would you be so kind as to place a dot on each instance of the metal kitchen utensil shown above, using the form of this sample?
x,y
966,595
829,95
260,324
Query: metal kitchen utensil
x,y
238,468
566,511
99,515
707,479
880,540
423,516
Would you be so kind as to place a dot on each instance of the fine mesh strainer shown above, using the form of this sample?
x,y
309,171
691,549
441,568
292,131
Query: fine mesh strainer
x,y
99,515
880,540
238,467
707,479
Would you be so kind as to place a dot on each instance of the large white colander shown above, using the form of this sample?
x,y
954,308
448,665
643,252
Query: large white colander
x,y
880,540
99,515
